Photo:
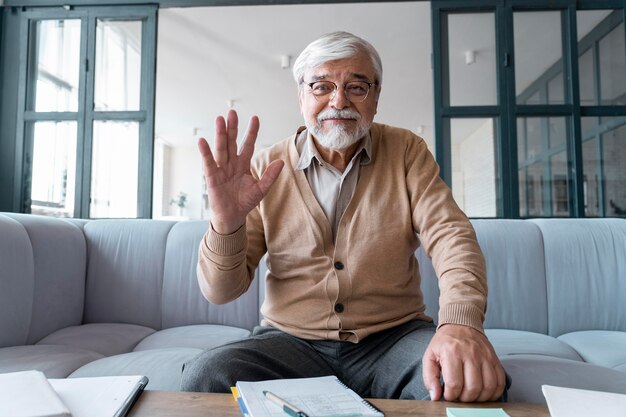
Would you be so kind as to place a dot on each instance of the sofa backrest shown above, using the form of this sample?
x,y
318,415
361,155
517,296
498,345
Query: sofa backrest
x,y
585,273
42,277
182,300
517,297
143,272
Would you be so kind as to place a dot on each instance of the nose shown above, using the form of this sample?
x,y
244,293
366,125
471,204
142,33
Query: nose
x,y
338,99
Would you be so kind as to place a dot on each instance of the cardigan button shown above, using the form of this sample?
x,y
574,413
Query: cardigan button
x,y
339,308
339,265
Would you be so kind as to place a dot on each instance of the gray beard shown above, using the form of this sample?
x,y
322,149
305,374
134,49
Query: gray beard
x,y
339,137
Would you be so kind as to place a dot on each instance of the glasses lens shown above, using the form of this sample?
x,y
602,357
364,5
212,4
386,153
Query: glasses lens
x,y
357,90
322,88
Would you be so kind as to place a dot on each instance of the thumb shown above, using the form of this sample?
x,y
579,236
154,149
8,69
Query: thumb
x,y
431,372
270,175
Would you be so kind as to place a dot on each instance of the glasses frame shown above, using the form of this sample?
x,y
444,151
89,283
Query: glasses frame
x,y
322,98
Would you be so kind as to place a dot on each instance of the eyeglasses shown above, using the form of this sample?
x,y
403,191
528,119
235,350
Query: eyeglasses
x,y
355,91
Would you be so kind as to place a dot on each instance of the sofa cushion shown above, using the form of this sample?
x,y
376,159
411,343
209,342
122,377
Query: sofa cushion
x,y
59,255
17,277
585,272
600,347
182,302
105,338
529,372
53,360
163,367
200,336
516,342
125,271
515,274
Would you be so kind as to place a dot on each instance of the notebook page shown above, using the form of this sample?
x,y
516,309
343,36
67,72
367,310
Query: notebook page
x,y
318,397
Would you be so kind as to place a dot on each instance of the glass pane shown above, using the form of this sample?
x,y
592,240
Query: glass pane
x,y
114,169
602,79
536,67
542,166
587,83
613,67
118,65
54,169
604,171
472,59
559,177
58,56
474,183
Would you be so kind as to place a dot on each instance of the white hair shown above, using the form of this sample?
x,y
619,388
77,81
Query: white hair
x,y
334,46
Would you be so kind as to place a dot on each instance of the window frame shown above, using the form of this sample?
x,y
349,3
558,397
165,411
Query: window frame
x,y
507,111
86,115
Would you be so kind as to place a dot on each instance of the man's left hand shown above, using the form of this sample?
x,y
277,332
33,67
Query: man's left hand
x,y
468,363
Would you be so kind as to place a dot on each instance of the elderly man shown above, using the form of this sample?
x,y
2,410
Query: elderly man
x,y
337,207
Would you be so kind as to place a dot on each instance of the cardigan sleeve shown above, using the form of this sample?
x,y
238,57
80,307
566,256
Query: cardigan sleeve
x,y
448,238
227,263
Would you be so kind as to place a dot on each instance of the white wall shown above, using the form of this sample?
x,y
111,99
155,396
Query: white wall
x,y
473,171
185,174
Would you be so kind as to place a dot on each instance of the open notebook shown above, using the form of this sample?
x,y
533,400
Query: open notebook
x,y
31,394
317,397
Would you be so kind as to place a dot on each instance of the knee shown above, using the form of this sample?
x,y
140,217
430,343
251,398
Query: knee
x,y
208,372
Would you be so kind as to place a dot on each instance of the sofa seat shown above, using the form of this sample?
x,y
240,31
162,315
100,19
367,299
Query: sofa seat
x,y
517,342
162,366
160,355
105,338
199,336
600,347
55,361
530,372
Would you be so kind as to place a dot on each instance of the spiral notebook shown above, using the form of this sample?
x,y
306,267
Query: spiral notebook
x,y
318,397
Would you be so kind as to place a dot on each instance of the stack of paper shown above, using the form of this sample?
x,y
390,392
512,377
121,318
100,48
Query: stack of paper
x,y
571,402
30,394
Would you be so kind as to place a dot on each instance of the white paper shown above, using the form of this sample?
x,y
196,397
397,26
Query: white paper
x,y
101,396
571,402
318,397
29,394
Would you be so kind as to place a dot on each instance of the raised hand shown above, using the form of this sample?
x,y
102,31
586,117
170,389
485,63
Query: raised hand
x,y
232,190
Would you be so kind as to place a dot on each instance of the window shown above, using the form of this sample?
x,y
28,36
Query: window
x,y
560,114
85,115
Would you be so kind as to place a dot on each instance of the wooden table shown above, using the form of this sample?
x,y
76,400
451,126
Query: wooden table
x,y
191,404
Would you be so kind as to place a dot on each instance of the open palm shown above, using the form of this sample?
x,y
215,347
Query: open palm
x,y
232,190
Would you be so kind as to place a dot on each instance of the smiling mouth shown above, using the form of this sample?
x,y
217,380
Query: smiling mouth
x,y
338,119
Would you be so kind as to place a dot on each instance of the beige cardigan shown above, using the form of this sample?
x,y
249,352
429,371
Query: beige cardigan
x,y
398,195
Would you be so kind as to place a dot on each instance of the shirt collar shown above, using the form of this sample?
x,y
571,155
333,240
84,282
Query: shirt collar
x,y
308,151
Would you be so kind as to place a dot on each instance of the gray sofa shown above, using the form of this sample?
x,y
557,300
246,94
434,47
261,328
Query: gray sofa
x,y
113,297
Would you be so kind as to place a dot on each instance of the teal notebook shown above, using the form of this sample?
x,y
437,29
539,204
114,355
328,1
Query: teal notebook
x,y
476,412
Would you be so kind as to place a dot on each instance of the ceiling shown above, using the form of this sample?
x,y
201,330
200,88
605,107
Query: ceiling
x,y
211,58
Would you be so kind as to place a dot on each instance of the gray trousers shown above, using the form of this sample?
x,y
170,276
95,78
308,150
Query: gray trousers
x,y
387,364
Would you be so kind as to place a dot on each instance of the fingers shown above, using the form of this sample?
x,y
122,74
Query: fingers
x,y
270,175
453,377
431,375
232,125
221,142
247,149
208,163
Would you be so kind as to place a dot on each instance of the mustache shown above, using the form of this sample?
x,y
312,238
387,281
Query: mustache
x,y
338,114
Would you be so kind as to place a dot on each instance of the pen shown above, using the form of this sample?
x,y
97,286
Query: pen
x,y
287,408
